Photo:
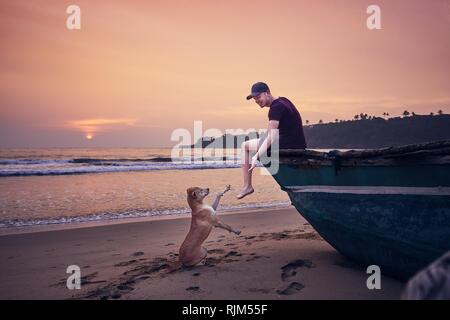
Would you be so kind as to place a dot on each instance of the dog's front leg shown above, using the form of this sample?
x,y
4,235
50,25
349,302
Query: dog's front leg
x,y
220,224
220,195
216,202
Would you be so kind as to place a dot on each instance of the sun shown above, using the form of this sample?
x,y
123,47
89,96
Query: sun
x,y
89,136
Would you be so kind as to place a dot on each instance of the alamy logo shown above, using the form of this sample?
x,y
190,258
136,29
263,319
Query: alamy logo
x,y
73,21
73,281
374,280
374,20
232,138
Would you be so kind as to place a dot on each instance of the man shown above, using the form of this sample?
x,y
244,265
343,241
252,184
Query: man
x,y
284,117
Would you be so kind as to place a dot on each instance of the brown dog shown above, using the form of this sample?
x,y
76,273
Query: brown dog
x,y
203,220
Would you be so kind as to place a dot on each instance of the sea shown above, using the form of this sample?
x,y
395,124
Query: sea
x,y
59,186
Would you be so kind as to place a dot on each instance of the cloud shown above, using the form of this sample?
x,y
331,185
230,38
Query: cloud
x,y
96,125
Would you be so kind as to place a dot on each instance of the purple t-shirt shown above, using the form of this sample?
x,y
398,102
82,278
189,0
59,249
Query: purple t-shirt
x,y
290,126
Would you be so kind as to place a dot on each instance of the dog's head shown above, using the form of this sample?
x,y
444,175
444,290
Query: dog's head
x,y
197,193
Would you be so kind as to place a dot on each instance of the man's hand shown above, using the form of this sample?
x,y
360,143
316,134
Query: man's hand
x,y
254,162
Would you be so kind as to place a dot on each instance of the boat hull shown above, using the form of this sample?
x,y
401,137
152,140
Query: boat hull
x,y
401,233
387,207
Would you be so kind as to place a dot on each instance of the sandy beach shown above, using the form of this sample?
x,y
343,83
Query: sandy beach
x,y
277,256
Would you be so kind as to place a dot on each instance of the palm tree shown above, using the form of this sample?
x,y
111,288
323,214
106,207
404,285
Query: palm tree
x,y
307,121
431,114
356,117
320,121
440,112
405,113
337,120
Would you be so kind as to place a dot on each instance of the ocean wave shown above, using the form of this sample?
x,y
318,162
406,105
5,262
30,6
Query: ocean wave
x,y
111,216
100,160
39,167
32,161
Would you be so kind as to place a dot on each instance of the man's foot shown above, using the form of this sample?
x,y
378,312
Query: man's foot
x,y
245,193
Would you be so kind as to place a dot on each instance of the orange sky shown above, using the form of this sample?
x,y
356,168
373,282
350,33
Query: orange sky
x,y
137,70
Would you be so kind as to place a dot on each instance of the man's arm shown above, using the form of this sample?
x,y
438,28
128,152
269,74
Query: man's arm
x,y
272,135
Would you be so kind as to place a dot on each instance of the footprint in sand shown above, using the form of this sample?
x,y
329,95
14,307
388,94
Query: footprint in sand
x,y
193,289
211,262
137,254
216,251
279,235
114,296
289,270
261,290
125,263
254,257
88,279
233,253
293,287
158,267
85,280
125,287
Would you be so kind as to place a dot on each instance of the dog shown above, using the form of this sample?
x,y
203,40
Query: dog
x,y
204,218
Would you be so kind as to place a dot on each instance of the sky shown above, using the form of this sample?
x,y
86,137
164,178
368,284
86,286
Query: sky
x,y
138,70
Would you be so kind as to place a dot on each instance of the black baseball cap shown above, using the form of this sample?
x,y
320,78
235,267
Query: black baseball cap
x,y
258,88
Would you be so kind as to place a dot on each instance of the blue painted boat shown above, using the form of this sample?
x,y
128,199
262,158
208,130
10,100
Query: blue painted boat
x,y
389,207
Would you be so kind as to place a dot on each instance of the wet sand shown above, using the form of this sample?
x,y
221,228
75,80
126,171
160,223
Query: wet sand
x,y
278,255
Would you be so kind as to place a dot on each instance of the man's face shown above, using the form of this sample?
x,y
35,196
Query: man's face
x,y
262,99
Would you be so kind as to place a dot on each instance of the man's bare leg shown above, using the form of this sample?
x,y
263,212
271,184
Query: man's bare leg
x,y
247,147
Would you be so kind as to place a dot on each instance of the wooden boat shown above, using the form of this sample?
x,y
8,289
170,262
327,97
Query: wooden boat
x,y
389,207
